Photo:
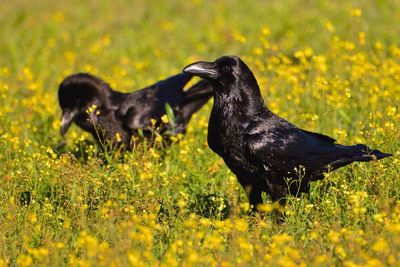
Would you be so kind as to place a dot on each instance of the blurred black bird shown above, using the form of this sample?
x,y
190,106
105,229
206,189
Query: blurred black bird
x,y
114,117
265,152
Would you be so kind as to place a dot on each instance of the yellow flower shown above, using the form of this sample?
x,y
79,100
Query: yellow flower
x,y
356,12
339,250
333,236
393,227
265,207
321,259
135,259
24,260
329,26
265,31
241,225
58,17
118,137
258,51
3,263
238,36
33,217
39,253
164,118
380,245
361,38
213,241
244,206
281,238
159,138
313,235
375,263
91,108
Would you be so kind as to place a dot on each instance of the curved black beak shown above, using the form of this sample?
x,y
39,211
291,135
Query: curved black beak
x,y
67,119
205,70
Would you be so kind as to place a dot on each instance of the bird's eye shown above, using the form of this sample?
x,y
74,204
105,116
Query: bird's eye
x,y
226,69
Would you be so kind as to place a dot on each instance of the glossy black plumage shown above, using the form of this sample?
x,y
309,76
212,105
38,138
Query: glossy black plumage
x,y
114,117
265,152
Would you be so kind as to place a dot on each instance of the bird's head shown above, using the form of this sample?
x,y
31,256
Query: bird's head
x,y
226,72
81,96
232,81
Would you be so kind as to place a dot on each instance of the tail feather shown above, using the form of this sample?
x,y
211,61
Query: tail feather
x,y
201,89
195,97
170,90
358,152
176,82
369,154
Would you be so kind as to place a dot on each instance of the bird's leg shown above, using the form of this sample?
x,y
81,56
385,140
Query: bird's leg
x,y
253,193
278,192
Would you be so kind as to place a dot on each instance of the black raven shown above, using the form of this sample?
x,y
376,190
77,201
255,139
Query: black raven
x,y
265,152
114,117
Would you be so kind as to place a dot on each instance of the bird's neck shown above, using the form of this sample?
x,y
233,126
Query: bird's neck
x,y
239,99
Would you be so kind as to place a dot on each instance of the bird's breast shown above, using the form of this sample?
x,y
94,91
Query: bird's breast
x,y
225,137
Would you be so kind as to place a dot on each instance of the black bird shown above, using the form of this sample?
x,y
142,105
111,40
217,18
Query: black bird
x,y
114,117
265,152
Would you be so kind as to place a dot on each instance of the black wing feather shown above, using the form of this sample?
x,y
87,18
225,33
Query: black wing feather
x,y
283,146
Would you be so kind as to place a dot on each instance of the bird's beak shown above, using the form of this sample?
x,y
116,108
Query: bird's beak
x,y
67,119
205,70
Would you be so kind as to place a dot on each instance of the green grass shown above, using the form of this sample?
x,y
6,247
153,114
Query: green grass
x,y
63,205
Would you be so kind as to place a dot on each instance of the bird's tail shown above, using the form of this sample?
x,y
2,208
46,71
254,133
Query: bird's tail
x,y
358,152
195,97
176,82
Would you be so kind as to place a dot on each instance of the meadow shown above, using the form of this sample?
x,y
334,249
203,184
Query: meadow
x,y
328,66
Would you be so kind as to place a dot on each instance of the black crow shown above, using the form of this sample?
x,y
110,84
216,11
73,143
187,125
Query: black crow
x,y
114,117
265,152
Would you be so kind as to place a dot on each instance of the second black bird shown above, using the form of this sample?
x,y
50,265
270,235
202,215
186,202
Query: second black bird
x,y
114,117
265,152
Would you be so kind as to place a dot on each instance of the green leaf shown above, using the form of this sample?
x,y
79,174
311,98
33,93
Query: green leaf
x,y
344,116
170,115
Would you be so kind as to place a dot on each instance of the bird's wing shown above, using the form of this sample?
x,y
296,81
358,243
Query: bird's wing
x,y
138,108
283,147
320,136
